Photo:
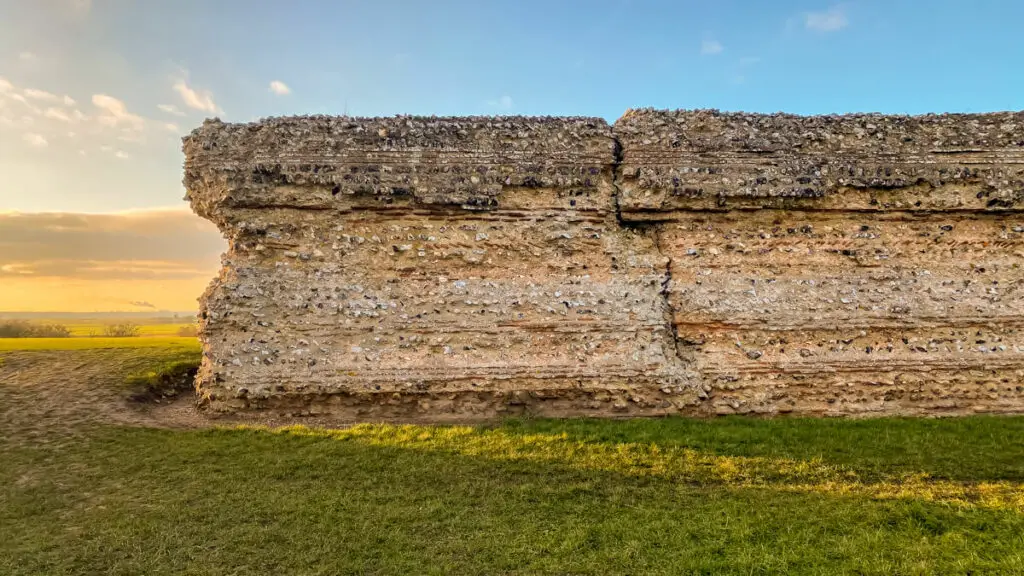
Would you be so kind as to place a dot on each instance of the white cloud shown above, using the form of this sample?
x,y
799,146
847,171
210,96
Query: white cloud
x,y
170,109
280,88
24,101
5,85
505,102
171,127
121,155
41,95
828,21
116,113
83,153
106,148
35,140
198,99
69,101
26,56
711,47
57,114
71,134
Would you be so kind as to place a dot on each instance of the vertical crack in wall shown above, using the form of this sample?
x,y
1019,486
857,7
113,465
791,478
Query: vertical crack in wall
x,y
652,229
616,175
834,312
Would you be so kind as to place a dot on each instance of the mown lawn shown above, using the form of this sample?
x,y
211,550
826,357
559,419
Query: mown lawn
x,y
670,496
525,497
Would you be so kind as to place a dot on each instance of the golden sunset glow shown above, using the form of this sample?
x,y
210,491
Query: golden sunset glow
x,y
128,261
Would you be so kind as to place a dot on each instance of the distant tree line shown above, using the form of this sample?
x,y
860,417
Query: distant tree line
x,y
28,329
25,329
121,330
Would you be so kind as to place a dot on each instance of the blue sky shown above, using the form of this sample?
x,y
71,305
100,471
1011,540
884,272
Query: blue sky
x,y
95,94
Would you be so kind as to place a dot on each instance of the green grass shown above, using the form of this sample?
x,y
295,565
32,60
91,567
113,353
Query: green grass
x,y
526,497
532,496
166,379
11,344
142,368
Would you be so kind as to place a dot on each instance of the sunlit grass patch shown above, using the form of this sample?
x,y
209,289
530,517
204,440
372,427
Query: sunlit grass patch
x,y
677,464
164,380
526,496
513,498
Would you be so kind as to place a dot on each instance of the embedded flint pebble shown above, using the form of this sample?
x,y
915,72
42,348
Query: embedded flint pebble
x,y
677,262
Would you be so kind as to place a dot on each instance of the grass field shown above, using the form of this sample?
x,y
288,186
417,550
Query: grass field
x,y
94,327
668,496
79,329
11,344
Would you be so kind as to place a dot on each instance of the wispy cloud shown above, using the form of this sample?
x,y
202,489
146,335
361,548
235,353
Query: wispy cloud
x,y
10,92
57,114
35,140
66,261
827,21
504,102
115,113
41,95
142,304
171,127
170,109
711,47
280,88
26,56
155,243
198,99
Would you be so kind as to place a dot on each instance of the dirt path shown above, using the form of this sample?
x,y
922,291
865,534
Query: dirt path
x,y
42,392
51,393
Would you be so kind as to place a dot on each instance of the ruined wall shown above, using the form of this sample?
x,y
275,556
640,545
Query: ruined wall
x,y
678,262
439,266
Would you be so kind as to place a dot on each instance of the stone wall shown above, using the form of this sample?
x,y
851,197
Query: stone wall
x,y
677,262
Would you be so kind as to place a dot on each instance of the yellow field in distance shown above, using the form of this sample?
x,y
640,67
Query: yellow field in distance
x,y
95,328
13,344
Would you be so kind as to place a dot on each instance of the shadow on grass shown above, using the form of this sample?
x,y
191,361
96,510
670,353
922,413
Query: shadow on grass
x,y
679,463
972,449
458,500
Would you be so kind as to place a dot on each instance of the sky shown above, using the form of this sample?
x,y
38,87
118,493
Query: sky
x,y
95,96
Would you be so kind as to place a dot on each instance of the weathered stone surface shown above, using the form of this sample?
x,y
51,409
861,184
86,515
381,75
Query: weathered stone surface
x,y
839,265
709,160
679,262
448,267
